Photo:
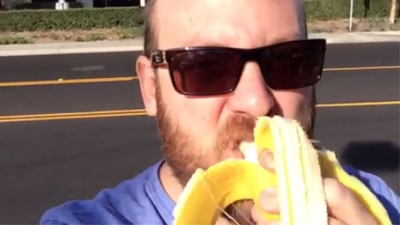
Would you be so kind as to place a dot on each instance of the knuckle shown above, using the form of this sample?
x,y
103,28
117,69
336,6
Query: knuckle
x,y
335,191
265,158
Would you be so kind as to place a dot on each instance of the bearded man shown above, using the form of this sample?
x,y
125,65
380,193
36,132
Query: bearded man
x,y
209,68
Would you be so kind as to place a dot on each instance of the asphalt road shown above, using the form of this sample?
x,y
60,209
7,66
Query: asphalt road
x,y
79,66
45,163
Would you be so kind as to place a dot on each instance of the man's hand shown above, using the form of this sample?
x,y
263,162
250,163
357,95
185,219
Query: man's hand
x,y
343,206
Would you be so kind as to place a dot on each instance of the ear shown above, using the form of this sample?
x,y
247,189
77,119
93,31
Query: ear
x,y
147,82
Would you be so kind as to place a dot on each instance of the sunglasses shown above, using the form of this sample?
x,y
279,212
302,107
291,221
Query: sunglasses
x,y
217,70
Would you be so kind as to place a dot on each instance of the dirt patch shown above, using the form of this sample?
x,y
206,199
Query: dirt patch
x,y
68,36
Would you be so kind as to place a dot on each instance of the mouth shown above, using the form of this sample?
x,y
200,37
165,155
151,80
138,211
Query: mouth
x,y
245,146
249,151
233,151
241,150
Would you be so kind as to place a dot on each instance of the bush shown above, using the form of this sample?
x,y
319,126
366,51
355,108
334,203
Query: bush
x,y
125,17
33,20
339,9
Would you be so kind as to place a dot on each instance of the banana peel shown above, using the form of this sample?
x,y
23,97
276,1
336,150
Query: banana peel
x,y
299,173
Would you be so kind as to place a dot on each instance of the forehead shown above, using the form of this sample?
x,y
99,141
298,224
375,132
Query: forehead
x,y
233,23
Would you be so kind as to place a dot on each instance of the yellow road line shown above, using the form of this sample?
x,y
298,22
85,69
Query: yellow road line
x,y
362,68
354,104
130,78
74,114
71,81
72,117
142,112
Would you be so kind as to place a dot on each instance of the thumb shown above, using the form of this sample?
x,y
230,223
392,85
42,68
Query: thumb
x,y
266,160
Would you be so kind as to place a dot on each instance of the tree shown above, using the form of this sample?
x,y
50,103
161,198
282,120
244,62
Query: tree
x,y
393,10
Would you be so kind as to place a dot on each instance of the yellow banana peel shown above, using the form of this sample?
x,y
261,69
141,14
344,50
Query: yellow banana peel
x,y
299,173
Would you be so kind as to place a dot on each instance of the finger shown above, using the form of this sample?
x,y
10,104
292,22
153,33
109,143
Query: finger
x,y
266,160
257,217
334,221
222,221
343,205
269,201
240,211
260,220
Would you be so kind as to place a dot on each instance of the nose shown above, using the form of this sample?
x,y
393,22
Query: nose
x,y
251,95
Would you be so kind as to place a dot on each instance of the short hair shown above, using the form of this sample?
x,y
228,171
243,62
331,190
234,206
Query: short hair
x,y
150,40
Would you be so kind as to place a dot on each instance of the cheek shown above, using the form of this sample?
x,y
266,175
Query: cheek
x,y
198,115
194,115
293,102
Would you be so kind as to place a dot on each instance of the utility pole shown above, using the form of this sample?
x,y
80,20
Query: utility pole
x,y
351,15
393,10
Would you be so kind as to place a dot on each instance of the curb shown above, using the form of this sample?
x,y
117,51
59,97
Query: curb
x,y
64,50
71,48
136,44
364,37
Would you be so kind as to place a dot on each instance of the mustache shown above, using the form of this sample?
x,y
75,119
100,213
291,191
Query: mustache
x,y
237,128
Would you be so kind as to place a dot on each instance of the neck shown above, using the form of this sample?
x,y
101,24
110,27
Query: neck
x,y
169,182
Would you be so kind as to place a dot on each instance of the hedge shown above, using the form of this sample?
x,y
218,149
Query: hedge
x,y
84,18
338,9
90,18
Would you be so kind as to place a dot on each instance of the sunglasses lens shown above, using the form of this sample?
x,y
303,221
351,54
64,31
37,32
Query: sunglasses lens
x,y
205,72
293,65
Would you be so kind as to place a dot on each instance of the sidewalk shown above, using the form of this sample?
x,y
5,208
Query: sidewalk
x,y
136,44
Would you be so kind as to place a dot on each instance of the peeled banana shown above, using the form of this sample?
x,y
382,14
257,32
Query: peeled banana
x,y
299,173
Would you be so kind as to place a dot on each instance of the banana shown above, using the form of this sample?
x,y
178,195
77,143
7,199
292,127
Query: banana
x,y
299,173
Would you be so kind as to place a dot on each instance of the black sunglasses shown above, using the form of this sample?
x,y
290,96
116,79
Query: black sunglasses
x,y
217,70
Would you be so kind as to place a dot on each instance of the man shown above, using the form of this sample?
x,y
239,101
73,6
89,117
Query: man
x,y
205,101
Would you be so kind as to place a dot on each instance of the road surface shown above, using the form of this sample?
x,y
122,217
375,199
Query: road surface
x,y
48,159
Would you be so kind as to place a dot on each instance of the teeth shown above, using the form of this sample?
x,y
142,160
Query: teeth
x,y
245,146
249,151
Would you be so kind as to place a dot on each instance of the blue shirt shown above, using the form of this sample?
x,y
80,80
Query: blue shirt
x,y
142,200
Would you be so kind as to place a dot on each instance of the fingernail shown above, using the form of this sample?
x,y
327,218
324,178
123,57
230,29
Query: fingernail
x,y
268,200
270,191
263,156
267,159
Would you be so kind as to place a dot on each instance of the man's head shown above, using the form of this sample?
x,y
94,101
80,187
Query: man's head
x,y
206,101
